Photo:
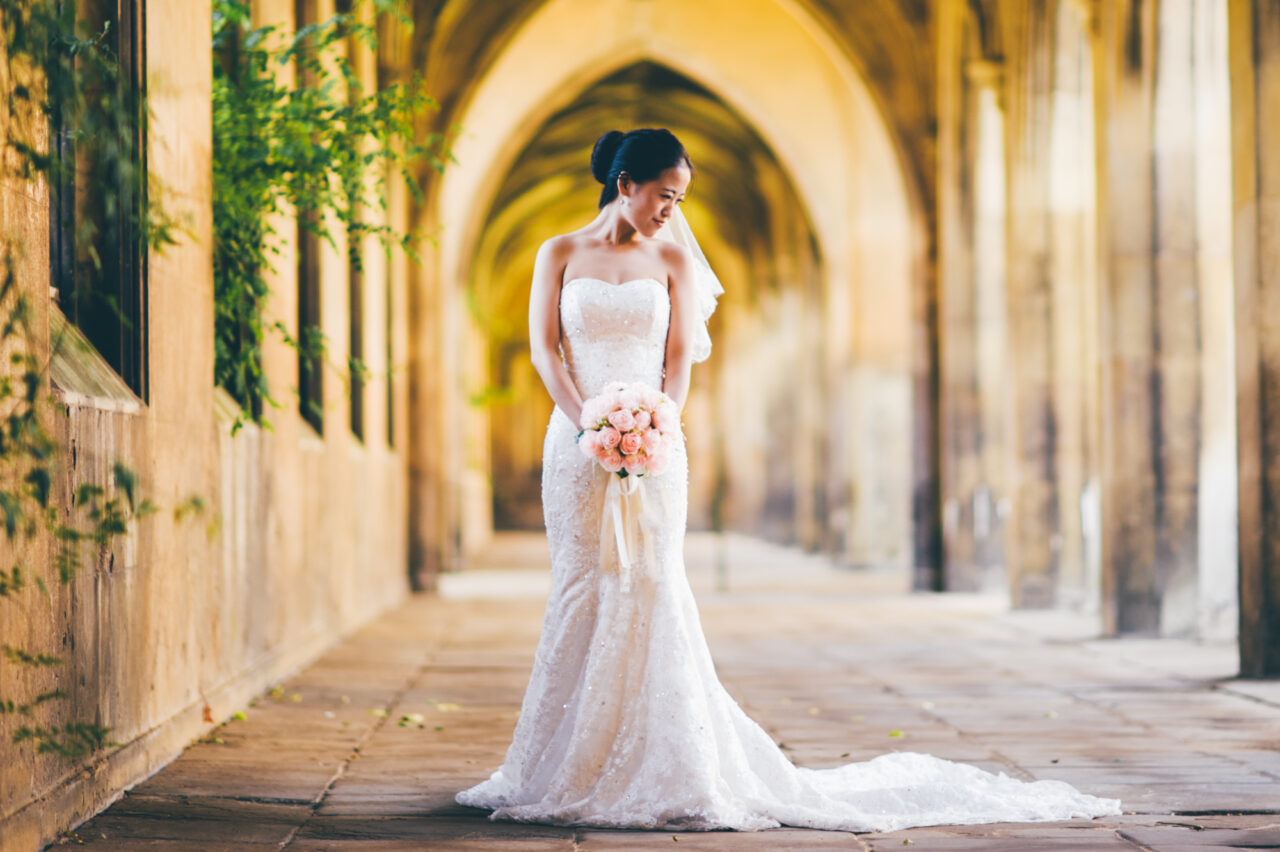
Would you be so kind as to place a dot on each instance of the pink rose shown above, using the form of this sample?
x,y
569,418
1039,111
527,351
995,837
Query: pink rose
x,y
658,461
631,399
631,443
610,460
651,397
667,418
636,464
643,419
593,411
623,420
589,443
652,440
609,438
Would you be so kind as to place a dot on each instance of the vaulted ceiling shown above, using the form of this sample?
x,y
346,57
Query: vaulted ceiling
x,y
888,42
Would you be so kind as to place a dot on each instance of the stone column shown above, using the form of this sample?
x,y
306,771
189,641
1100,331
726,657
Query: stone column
x,y
1033,555
1072,195
958,391
970,169
1255,106
1149,344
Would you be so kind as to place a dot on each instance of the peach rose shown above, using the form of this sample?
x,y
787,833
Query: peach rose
x,y
631,399
658,461
667,418
652,440
593,411
610,460
652,398
636,465
643,419
622,419
589,443
631,443
609,438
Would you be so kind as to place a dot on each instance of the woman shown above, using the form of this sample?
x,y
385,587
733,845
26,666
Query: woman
x,y
624,723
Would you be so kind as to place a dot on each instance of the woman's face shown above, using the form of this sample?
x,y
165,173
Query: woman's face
x,y
648,206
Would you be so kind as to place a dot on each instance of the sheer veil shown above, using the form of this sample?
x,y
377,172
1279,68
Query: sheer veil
x,y
706,284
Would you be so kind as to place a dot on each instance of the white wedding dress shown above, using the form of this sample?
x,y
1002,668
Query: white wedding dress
x,y
625,723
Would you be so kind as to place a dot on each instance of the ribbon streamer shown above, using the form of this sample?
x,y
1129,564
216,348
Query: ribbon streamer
x,y
628,519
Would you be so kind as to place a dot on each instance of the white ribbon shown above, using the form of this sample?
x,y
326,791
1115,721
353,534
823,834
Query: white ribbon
x,y
629,519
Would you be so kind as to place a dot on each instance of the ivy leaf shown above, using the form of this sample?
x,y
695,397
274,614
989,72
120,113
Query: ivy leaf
x,y
127,481
38,478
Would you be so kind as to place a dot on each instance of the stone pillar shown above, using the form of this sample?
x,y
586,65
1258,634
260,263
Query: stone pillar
x,y
1255,106
1149,344
1072,183
432,422
1033,553
970,179
926,504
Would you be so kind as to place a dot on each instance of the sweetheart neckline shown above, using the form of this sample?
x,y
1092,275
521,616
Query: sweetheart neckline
x,y
611,284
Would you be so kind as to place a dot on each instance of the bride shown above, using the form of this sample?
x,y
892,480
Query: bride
x,y
625,723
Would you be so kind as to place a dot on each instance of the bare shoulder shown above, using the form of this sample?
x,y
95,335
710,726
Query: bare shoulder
x,y
677,259
558,248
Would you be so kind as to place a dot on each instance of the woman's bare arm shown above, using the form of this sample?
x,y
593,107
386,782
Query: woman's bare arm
x,y
544,327
683,324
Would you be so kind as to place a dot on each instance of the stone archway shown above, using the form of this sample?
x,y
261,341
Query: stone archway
x,y
822,124
759,238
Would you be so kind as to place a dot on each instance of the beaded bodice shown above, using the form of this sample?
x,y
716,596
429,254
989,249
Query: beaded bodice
x,y
613,332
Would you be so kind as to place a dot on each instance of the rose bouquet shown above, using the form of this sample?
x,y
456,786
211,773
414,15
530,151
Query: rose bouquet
x,y
629,429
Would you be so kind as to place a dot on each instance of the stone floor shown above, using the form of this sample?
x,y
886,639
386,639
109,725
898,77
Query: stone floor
x,y
366,747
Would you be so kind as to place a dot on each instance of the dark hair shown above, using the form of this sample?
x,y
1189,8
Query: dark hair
x,y
643,154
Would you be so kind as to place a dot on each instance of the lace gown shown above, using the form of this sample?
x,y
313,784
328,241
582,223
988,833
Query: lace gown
x,y
625,723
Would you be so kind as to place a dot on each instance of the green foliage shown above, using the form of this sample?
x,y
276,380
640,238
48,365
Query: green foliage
x,y
320,146
71,740
66,93
69,114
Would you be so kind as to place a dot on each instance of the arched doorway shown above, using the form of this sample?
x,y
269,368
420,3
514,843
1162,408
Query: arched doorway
x,y
848,333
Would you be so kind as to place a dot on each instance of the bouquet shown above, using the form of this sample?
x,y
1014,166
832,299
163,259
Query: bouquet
x,y
629,429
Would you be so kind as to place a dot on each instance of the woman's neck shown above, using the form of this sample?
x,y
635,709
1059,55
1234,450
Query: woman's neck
x,y
612,227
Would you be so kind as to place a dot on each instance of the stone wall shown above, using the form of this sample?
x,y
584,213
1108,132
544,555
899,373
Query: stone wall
x,y
181,623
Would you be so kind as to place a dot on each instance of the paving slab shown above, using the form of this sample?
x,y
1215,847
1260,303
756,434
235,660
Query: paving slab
x,y
365,748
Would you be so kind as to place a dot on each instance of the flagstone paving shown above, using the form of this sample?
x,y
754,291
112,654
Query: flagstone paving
x,y
364,749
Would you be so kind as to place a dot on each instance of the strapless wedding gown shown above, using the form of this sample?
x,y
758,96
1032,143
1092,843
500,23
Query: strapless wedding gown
x,y
625,723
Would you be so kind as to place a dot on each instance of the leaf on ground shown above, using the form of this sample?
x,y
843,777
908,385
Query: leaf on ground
x,y
896,734
207,714
380,712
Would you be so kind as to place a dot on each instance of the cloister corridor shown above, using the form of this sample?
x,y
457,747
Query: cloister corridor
x,y
366,747
985,461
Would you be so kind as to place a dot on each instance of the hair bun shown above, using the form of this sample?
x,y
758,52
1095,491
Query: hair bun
x,y
604,152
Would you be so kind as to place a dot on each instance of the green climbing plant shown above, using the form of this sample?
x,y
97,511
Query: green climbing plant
x,y
323,145
63,90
